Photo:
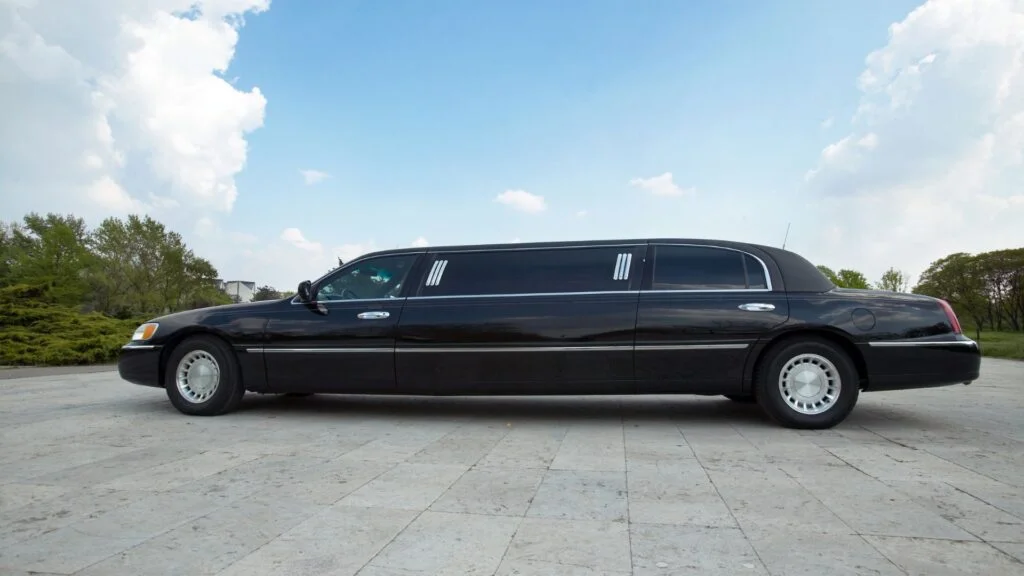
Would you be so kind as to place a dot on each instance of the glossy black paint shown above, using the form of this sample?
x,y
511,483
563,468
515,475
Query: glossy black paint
x,y
625,342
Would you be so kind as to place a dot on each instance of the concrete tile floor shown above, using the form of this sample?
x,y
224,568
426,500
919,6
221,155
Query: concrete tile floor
x,y
100,477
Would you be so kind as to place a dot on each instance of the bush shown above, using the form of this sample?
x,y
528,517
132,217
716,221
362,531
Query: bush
x,y
1002,345
36,333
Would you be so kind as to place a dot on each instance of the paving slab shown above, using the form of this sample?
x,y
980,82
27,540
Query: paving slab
x,y
101,477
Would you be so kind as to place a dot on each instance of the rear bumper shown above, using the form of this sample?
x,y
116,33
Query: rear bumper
x,y
140,364
908,364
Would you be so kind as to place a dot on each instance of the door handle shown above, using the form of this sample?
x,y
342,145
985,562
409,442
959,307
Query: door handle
x,y
757,307
373,315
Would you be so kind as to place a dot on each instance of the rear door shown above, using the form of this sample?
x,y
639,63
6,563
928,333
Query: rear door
x,y
344,341
526,320
701,309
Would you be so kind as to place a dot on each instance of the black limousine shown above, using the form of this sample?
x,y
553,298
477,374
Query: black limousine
x,y
653,316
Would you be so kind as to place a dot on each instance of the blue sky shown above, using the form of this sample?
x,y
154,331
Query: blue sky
x,y
883,139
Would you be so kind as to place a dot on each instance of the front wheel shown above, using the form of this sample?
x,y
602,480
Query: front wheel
x,y
808,383
202,377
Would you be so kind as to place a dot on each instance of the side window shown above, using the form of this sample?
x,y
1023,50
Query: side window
x,y
373,278
705,268
567,270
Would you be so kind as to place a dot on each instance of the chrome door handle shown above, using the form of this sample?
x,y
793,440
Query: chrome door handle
x,y
757,307
373,315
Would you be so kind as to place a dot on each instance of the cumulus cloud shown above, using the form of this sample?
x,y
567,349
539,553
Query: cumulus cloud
x,y
581,214
420,242
662,185
935,160
120,105
295,237
522,200
311,177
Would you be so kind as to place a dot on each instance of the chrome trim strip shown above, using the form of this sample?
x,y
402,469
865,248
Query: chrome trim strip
x,y
767,275
896,343
139,347
617,272
433,272
661,347
626,267
317,350
708,291
490,349
524,295
440,272
509,248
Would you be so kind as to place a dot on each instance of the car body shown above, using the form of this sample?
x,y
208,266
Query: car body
x,y
613,317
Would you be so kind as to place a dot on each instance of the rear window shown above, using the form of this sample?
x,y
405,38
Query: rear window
x,y
530,271
705,268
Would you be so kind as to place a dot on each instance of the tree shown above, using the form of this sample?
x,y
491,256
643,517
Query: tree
x,y
829,273
266,293
845,278
50,252
893,280
956,279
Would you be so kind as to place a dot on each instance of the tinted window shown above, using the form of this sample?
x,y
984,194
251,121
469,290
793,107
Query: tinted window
x,y
700,268
528,271
372,278
755,273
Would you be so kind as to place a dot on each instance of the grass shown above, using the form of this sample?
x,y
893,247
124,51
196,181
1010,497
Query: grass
x,y
1001,344
34,333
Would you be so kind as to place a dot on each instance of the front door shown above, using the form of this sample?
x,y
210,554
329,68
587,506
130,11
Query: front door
x,y
344,340
701,310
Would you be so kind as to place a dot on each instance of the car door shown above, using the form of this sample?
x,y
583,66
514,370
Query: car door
x,y
701,310
344,339
532,320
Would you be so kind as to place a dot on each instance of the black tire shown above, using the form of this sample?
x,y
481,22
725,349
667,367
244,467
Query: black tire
x,y
742,398
229,389
824,360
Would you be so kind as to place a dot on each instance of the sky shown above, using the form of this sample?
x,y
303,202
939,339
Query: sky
x,y
278,136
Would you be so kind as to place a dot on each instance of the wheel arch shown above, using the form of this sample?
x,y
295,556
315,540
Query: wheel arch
x,y
836,337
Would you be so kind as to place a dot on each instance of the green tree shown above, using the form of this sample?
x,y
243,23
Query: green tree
x,y
957,279
266,293
50,252
893,280
829,273
852,279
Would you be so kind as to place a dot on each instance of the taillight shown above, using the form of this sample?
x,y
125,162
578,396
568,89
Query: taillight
x,y
951,316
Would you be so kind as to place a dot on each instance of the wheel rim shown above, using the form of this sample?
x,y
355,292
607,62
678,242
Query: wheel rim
x,y
810,384
198,376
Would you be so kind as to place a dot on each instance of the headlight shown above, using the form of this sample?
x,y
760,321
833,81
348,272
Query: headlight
x,y
145,332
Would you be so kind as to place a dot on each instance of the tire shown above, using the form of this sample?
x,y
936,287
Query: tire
x,y
809,408
742,398
216,385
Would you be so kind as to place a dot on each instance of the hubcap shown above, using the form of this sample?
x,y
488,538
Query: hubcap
x,y
810,384
198,376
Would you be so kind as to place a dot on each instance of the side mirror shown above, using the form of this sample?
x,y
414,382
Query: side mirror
x,y
305,291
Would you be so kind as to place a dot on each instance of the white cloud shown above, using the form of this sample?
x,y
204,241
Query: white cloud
x,y
661,186
118,105
935,162
522,200
827,123
295,237
420,242
581,214
311,177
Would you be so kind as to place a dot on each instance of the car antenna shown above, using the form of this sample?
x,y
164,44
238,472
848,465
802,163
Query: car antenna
x,y
787,236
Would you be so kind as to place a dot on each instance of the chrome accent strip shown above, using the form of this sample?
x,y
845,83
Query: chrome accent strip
x,y
524,295
433,272
440,272
442,348
767,275
318,350
629,263
348,300
512,247
709,291
617,272
661,347
139,347
895,343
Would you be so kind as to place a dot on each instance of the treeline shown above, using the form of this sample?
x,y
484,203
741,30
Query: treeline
x,y
124,268
986,289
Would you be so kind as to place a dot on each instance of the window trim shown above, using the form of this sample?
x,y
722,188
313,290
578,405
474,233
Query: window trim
x,y
649,280
315,285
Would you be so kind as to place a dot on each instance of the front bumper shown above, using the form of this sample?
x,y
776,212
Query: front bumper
x,y
140,364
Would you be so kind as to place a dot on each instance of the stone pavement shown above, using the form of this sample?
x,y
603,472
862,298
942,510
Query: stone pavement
x,y
101,477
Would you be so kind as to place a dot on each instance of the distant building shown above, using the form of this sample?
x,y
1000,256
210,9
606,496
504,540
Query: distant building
x,y
239,290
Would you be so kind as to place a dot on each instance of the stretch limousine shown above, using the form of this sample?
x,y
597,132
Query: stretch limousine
x,y
653,316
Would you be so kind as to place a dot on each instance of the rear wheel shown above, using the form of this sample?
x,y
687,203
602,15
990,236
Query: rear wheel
x,y
808,383
202,377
